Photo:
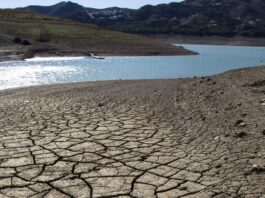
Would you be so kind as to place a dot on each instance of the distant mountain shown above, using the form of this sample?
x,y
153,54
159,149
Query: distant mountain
x,y
59,10
190,17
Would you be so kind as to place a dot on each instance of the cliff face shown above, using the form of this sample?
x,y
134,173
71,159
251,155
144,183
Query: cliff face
x,y
190,17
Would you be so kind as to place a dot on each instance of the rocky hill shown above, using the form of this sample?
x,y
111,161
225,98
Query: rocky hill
x,y
190,17
24,34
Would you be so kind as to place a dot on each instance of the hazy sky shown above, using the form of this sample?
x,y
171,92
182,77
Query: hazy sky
x,y
87,3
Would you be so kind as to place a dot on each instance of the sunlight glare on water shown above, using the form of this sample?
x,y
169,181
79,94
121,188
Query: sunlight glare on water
x,y
212,60
38,59
20,76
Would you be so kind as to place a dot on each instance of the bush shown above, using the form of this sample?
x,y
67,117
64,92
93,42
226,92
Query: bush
x,y
44,36
17,40
26,42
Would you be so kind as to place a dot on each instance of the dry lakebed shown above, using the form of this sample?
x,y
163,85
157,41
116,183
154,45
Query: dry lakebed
x,y
192,138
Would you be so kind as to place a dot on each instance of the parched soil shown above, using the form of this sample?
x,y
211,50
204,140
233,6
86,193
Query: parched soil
x,y
192,138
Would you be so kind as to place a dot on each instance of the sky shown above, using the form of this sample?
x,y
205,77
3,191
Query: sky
x,y
86,3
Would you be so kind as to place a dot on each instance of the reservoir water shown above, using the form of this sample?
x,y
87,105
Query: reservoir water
x,y
212,60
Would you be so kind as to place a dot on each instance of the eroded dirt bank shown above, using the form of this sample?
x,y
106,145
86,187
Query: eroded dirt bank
x,y
201,137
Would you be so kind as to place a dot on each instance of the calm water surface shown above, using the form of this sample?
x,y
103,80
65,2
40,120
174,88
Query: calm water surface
x,y
212,60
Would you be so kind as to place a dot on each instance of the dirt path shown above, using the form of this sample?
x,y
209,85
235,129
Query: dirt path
x,y
169,138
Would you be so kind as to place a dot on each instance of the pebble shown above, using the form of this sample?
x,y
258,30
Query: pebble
x,y
188,118
262,102
218,166
258,169
217,138
183,188
240,123
241,134
244,114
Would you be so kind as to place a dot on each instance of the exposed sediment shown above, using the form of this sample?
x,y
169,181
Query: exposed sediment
x,y
200,137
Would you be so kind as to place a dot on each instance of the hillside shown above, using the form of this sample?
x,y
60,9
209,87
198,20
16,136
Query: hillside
x,y
60,36
190,17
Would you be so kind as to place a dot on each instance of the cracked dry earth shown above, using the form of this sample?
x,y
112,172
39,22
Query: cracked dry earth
x,y
201,137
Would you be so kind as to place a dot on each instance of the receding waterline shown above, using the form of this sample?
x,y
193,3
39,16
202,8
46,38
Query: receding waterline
x,y
54,58
212,60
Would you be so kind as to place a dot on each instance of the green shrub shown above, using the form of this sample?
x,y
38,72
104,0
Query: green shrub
x,y
44,35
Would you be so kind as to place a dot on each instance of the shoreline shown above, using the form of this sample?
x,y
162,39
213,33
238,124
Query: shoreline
x,y
103,55
211,40
21,56
19,53
133,138
132,80
80,47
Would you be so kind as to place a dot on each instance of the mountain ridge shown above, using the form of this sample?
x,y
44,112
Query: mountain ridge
x,y
190,17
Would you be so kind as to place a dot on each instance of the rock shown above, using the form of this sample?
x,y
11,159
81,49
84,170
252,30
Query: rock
x,y
100,104
216,138
188,118
143,158
263,132
26,42
258,83
218,166
257,169
241,134
203,118
244,114
183,188
240,123
262,102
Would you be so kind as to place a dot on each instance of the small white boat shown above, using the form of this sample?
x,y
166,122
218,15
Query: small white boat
x,y
96,57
